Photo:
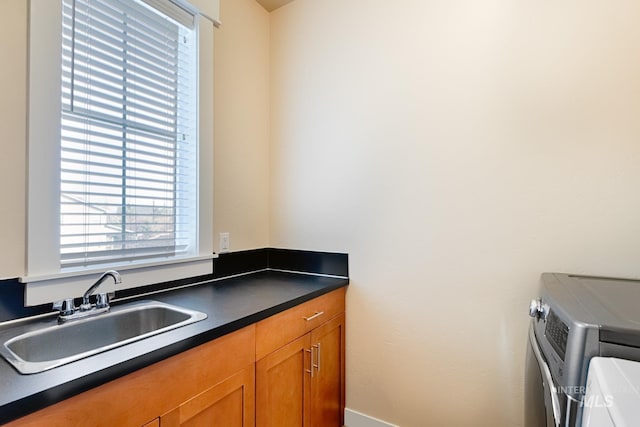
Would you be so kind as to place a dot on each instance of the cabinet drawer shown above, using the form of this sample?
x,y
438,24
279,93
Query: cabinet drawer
x,y
282,328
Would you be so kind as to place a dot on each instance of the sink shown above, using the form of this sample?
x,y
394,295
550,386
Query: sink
x,y
37,347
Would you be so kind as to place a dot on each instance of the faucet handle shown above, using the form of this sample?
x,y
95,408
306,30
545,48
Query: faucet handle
x,y
65,307
102,300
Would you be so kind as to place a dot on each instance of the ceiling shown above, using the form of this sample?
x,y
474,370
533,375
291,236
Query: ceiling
x,y
273,4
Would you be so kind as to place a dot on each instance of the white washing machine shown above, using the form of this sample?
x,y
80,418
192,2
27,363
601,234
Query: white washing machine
x,y
612,397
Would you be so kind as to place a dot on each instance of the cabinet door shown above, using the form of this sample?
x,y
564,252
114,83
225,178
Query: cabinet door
x,y
282,386
327,382
227,404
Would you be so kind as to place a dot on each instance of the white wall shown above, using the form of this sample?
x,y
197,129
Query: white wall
x,y
241,129
456,150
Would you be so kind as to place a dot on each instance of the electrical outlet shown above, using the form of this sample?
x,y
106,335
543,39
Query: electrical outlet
x,y
224,242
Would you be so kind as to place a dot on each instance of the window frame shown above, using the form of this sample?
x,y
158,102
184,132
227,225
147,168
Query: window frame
x,y
44,278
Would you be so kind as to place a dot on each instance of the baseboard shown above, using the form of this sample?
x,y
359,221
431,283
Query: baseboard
x,y
356,419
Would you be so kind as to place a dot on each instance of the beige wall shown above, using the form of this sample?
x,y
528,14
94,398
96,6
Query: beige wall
x,y
13,105
456,150
241,129
242,125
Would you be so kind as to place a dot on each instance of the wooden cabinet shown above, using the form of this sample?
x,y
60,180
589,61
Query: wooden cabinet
x,y
284,371
185,384
302,383
282,328
283,386
228,404
327,383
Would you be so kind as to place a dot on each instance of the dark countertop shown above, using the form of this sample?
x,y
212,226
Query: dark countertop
x,y
230,304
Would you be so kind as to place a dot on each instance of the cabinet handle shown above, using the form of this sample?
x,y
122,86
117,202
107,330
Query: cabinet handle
x,y
317,358
318,314
310,371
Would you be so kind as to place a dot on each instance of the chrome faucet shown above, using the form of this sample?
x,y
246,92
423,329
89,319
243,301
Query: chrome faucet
x,y
103,299
68,311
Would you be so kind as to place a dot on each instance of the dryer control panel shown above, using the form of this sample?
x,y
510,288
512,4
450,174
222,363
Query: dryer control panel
x,y
558,333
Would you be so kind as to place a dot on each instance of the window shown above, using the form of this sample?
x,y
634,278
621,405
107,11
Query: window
x,y
119,170
128,133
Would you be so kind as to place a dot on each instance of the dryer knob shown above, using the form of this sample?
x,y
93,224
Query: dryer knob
x,y
535,308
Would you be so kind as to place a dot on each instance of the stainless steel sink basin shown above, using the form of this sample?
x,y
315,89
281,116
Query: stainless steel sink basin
x,y
37,347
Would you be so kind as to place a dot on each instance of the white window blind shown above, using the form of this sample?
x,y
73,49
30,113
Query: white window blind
x,y
118,177
129,153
